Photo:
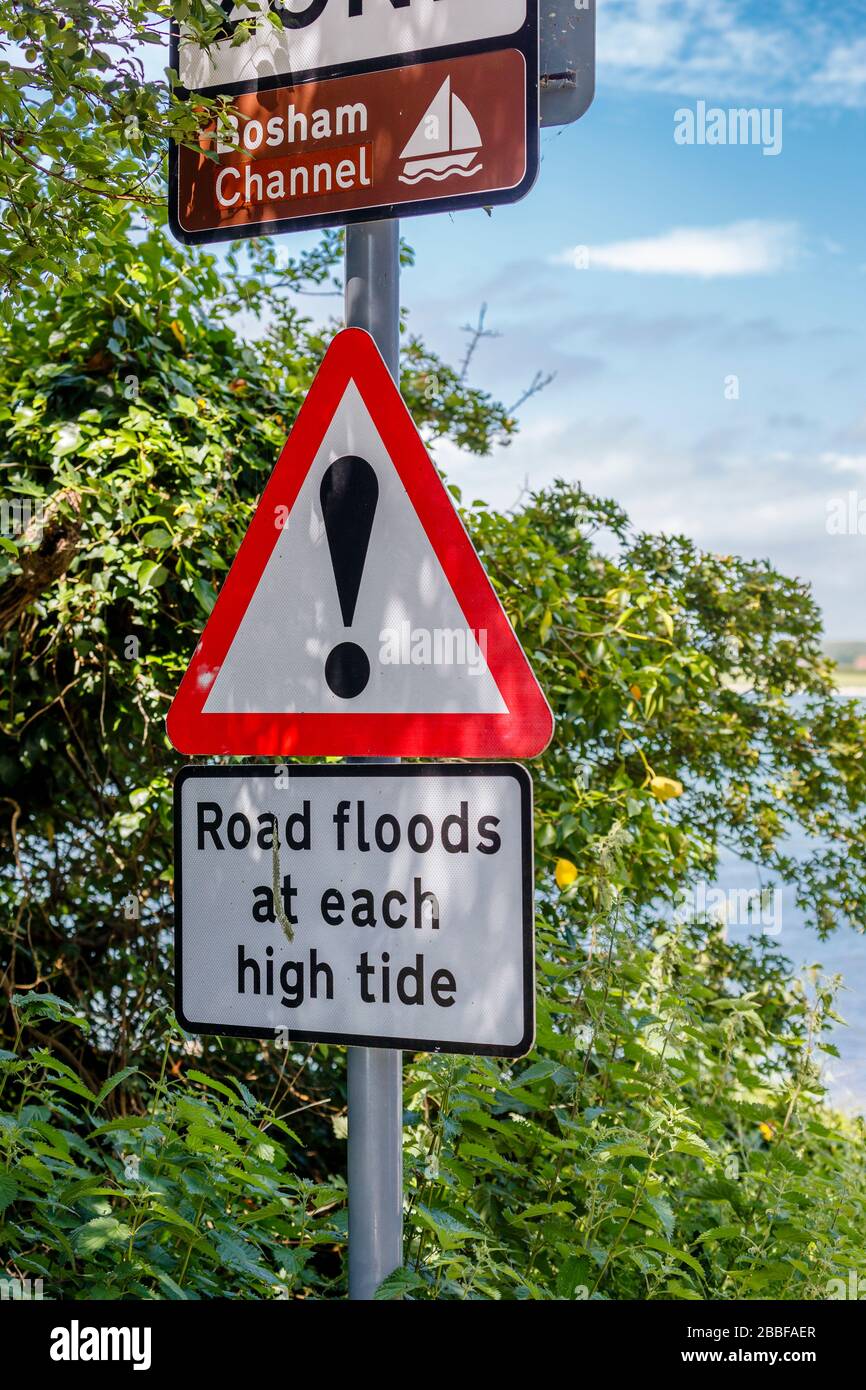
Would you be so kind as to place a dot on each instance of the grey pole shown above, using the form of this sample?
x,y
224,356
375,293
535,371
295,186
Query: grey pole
x,y
375,1074
373,286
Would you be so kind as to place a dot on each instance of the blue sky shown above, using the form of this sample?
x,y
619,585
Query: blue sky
x,y
705,262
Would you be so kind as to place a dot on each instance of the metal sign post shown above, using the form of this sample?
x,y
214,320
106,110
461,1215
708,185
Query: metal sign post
x,y
375,1075
375,1168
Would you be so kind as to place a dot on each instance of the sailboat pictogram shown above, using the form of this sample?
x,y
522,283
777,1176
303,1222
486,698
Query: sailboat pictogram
x,y
446,141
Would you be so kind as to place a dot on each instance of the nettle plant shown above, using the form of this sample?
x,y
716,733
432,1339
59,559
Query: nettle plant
x,y
669,1135
187,1193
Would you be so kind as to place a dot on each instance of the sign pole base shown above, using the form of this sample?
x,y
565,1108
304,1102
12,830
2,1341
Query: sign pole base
x,y
375,1167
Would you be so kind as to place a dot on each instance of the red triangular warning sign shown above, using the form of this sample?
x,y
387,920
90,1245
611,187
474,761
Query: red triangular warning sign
x,y
357,619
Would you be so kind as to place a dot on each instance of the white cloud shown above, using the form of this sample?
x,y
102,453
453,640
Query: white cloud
x,y
742,248
795,51
629,41
842,77
739,495
845,463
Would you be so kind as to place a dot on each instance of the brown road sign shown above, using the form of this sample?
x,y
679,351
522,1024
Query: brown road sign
x,y
386,133
346,145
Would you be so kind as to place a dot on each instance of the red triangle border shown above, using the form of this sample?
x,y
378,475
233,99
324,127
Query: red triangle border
x,y
523,732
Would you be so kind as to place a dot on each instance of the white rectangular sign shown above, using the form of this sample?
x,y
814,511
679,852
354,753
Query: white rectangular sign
x,y
375,906
326,35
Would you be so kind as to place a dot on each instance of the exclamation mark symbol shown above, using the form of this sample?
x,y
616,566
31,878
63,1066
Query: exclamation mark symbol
x,y
349,496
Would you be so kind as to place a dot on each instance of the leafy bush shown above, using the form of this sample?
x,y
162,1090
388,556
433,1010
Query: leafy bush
x,y
669,1136
186,1195
666,1140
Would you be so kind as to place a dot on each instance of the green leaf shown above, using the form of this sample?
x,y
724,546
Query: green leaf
x,y
205,594
97,1234
624,1149
150,575
212,1084
719,1233
696,1147
157,537
123,1122
8,1190
450,1228
113,1081
398,1285
654,1243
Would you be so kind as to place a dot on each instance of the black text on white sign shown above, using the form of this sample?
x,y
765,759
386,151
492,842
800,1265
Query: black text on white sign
x,y
381,906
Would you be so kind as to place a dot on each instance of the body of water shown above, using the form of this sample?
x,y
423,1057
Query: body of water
x,y
843,953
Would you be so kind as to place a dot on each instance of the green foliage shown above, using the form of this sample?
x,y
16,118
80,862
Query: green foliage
x,y
77,137
663,662
86,111
626,1157
185,1195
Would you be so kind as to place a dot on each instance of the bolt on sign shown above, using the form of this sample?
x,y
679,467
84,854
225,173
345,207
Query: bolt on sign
x,y
385,906
349,110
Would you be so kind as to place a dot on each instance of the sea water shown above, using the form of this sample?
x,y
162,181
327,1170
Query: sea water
x,y
842,953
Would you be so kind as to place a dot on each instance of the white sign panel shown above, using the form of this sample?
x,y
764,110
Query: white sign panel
x,y
375,906
323,35
401,588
